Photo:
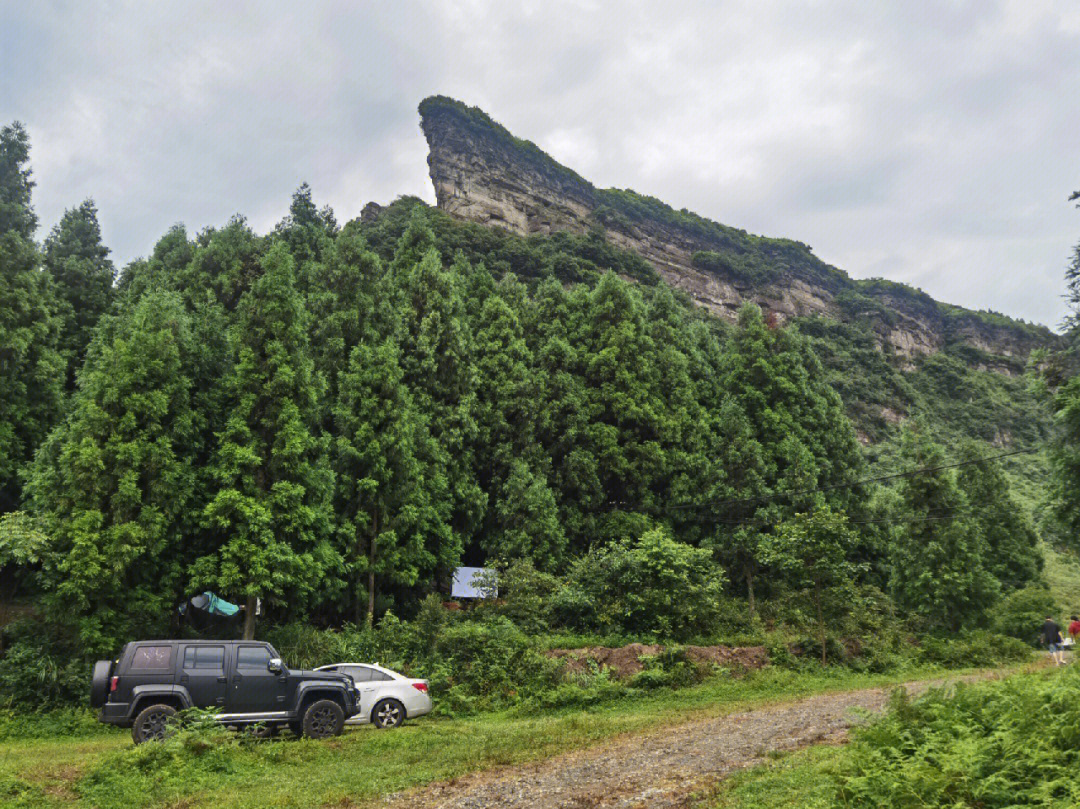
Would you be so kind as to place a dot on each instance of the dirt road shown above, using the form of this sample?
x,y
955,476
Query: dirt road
x,y
663,768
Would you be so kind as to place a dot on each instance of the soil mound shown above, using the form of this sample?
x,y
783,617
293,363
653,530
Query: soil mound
x,y
625,661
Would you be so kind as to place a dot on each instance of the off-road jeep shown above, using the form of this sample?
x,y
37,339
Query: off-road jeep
x,y
154,679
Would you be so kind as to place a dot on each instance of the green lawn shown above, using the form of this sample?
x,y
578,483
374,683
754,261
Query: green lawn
x,y
105,770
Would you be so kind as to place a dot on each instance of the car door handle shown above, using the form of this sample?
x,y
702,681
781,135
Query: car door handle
x,y
223,679
183,678
237,678
372,688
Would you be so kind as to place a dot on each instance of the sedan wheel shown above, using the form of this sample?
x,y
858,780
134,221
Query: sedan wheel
x,y
389,713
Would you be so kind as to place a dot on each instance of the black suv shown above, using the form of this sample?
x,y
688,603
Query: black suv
x,y
153,679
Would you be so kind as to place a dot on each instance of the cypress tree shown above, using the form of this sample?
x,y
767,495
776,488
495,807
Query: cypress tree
x,y
938,559
113,483
83,278
31,367
390,511
270,513
437,360
784,431
1010,540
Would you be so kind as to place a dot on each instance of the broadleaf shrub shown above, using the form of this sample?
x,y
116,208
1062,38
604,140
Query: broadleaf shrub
x,y
651,586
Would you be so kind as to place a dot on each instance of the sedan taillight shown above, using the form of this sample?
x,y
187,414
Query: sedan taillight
x,y
114,683
420,687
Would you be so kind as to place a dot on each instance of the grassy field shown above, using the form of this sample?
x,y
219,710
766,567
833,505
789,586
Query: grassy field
x,y
103,768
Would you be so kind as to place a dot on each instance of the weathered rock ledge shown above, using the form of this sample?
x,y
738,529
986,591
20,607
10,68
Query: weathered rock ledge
x,y
482,173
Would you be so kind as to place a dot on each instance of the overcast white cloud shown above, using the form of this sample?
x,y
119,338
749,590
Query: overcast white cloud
x,y
933,143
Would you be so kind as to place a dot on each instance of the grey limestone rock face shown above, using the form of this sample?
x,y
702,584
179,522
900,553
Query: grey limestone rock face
x,y
482,174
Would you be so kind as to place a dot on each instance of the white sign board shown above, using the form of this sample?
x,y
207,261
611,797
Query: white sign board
x,y
467,581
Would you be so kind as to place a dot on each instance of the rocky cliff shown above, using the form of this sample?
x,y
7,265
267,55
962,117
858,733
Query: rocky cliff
x,y
482,173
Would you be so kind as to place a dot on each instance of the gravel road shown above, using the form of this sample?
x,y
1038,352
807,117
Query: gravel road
x,y
662,768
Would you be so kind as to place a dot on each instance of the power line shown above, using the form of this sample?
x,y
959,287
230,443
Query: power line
x,y
881,479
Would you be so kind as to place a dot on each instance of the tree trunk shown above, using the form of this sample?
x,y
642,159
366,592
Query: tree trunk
x,y
371,571
820,620
249,618
358,608
750,591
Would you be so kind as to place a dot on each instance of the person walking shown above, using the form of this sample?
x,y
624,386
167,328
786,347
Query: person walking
x,y
1051,636
1074,628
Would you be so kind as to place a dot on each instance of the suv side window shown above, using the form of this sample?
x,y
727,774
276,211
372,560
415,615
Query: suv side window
x,y
204,657
153,658
252,657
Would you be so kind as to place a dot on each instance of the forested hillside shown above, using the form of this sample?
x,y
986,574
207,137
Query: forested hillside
x,y
330,418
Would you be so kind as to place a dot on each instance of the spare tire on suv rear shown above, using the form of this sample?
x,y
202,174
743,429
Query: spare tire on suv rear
x,y
99,683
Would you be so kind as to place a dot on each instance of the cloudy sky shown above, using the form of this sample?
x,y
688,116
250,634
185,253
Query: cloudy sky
x,y
929,142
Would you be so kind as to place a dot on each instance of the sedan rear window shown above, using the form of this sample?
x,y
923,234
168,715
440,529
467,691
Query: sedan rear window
x,y
363,674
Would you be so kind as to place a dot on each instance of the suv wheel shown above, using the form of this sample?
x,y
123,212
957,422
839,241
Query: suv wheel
x,y
152,723
323,718
388,713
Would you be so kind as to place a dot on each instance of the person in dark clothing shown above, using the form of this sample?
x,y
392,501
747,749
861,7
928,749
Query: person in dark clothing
x,y
1051,636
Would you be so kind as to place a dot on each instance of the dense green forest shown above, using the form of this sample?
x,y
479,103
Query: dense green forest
x,y
331,418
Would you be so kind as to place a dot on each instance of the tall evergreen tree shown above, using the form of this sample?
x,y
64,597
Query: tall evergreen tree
x,y
938,559
437,360
812,551
270,514
16,211
1010,541
31,368
1065,454
784,432
113,483
390,511
307,231
82,276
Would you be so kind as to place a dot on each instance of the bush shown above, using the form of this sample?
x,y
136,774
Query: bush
x,y
193,757
37,672
580,692
526,593
669,669
487,664
1005,744
66,722
979,648
654,586
1021,613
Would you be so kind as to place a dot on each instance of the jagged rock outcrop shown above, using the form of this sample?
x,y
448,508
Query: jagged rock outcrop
x,y
484,174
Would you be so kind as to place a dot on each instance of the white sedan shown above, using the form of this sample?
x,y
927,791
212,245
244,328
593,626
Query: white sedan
x,y
386,698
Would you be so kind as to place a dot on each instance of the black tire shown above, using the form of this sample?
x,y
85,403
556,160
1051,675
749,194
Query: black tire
x,y
152,723
387,713
323,719
99,683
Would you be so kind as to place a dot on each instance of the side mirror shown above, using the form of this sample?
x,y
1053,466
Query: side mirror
x,y
274,665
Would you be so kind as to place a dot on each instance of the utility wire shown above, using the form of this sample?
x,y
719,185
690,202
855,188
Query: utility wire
x,y
863,482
